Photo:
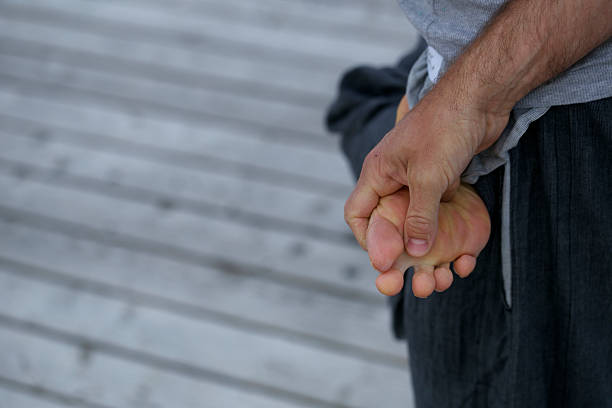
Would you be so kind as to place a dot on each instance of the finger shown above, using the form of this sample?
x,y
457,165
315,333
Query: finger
x,y
402,109
443,276
403,262
357,210
421,222
450,192
423,281
390,283
370,187
384,242
464,265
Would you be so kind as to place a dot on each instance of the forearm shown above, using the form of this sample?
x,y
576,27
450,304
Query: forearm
x,y
528,43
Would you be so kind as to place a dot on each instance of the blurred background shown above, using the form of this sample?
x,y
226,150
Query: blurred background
x,y
171,228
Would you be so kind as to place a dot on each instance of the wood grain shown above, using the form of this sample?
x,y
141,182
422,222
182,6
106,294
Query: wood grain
x,y
171,227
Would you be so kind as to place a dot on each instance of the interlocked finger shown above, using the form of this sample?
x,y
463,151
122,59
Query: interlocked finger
x,y
443,276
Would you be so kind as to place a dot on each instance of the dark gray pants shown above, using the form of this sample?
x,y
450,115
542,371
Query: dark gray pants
x,y
553,348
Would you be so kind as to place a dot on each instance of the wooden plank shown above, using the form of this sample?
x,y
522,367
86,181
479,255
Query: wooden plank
x,y
257,204
380,14
370,23
170,97
86,376
345,9
304,316
247,357
124,64
16,398
237,51
177,142
237,248
164,100
40,88
200,29
186,62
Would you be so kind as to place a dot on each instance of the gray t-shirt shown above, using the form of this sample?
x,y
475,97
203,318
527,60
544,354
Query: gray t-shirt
x,y
448,26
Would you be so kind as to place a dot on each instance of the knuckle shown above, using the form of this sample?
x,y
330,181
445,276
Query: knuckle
x,y
425,179
429,172
372,161
371,157
375,167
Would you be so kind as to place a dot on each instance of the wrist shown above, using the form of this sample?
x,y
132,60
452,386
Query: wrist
x,y
482,114
476,87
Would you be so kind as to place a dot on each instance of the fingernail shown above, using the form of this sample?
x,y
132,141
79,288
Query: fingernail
x,y
417,247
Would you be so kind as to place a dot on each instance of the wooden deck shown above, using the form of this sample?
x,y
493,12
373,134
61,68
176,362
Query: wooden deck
x,y
171,229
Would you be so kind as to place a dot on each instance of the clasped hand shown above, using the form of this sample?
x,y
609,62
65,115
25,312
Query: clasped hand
x,y
409,208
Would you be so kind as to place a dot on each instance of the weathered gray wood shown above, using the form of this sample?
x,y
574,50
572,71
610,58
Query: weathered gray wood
x,y
169,96
61,92
258,204
245,356
213,149
280,254
121,64
304,316
81,373
187,61
352,10
171,216
238,51
62,81
19,399
200,29
378,22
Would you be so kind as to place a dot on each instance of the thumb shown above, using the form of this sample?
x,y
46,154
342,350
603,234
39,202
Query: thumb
x,y
421,222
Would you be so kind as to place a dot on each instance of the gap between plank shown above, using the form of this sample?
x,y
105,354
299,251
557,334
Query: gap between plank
x,y
199,313
274,134
40,392
189,160
177,38
163,73
162,363
182,255
200,208
305,23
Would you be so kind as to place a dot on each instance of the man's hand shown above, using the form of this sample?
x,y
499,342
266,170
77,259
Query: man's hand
x,y
463,231
426,151
526,44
